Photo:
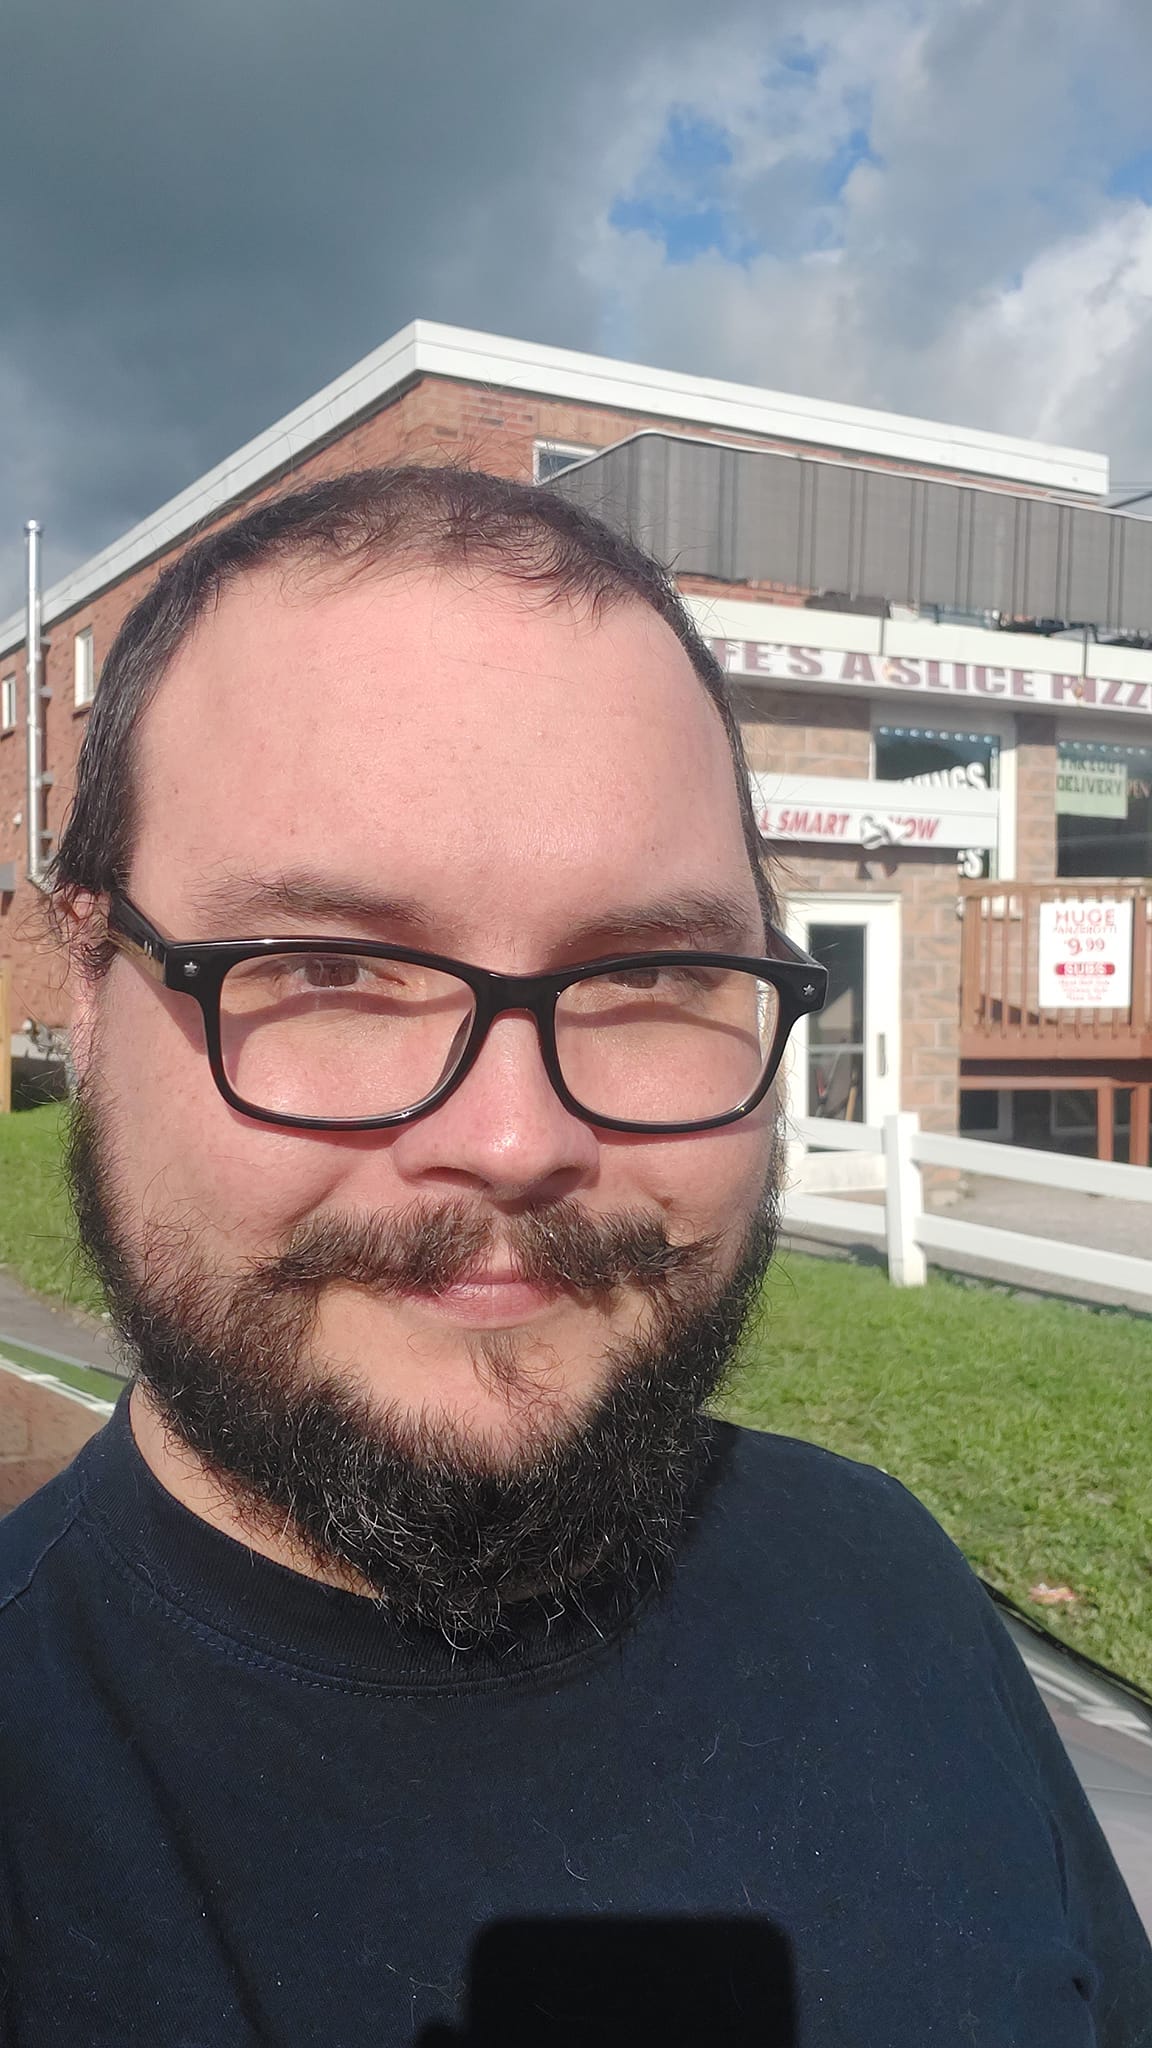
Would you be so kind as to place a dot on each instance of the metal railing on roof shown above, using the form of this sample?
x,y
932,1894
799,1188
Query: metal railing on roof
x,y
803,523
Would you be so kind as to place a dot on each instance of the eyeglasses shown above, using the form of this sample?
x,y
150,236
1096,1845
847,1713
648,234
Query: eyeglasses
x,y
340,1034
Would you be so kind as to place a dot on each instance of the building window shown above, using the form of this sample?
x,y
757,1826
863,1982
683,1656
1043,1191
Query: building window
x,y
85,663
942,760
1072,1120
1103,809
8,704
549,458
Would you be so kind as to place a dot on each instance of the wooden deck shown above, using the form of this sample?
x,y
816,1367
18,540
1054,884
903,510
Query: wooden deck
x,y
1008,1040
1000,1014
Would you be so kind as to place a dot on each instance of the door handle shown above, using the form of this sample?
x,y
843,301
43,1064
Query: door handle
x,y
881,1053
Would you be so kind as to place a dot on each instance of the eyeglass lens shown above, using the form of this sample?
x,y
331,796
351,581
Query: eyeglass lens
x,y
348,1036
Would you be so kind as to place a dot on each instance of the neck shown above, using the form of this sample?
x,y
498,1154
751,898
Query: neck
x,y
215,1500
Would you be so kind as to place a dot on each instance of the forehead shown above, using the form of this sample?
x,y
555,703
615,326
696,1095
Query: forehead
x,y
499,756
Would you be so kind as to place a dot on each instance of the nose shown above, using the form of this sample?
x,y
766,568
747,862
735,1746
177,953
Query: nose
x,y
504,1132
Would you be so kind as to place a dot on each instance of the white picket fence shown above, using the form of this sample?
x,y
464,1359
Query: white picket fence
x,y
902,1224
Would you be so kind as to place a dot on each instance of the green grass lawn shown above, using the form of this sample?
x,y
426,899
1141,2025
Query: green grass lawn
x,y
1025,1427
37,1241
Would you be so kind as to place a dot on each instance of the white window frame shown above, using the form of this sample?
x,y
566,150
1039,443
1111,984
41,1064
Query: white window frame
x,y
84,667
576,450
7,704
999,1133
1056,1129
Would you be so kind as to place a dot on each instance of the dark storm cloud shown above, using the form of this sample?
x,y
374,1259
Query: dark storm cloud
x,y
207,212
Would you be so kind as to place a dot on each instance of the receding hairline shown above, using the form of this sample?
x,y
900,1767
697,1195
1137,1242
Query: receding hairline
x,y
462,523
310,576
311,580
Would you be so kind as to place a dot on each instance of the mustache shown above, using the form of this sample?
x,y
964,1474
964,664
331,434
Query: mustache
x,y
430,1247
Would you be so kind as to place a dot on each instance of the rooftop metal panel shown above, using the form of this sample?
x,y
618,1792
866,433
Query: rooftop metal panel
x,y
822,526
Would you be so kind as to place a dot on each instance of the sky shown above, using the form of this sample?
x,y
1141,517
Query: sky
x,y
941,207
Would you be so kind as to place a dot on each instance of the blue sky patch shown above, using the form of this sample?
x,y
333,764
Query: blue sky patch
x,y
684,200
690,199
685,232
855,149
693,146
1133,178
800,59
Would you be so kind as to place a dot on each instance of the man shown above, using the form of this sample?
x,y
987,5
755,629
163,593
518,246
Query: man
x,y
410,1654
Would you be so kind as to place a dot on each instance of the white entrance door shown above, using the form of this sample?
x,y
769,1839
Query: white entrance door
x,y
845,1063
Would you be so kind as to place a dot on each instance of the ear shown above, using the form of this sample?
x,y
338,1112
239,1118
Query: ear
x,y
84,931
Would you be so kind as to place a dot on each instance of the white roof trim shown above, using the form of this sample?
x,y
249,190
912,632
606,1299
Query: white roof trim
x,y
424,348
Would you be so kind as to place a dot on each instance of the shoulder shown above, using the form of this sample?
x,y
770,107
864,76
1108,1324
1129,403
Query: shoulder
x,y
780,1475
30,1534
848,1533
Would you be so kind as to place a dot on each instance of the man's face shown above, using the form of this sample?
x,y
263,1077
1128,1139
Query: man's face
x,y
458,766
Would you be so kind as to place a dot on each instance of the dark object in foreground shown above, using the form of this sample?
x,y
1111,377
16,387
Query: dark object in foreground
x,y
630,1983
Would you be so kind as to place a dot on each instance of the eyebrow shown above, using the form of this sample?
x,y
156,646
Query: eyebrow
x,y
702,919
242,898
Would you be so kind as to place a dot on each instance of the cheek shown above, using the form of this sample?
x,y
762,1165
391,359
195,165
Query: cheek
x,y
180,1149
708,1185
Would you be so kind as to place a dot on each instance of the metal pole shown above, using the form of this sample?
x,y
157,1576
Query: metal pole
x,y
34,809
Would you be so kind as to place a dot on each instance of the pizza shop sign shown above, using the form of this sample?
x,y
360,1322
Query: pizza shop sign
x,y
1024,686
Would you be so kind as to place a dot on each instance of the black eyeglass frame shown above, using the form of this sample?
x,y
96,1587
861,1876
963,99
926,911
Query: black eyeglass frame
x,y
198,968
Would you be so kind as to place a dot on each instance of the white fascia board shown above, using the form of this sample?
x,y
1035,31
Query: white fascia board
x,y
320,416
425,348
745,409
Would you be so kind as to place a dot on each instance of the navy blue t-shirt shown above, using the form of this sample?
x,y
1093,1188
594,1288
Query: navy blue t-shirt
x,y
805,1795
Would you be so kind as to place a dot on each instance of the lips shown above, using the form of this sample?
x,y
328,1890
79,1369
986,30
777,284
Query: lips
x,y
488,1298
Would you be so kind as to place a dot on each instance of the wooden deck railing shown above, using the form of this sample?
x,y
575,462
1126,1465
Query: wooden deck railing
x,y
1001,1018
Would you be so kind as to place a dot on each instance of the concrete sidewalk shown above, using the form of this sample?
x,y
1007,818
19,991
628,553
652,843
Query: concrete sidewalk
x,y
67,1334
1093,1220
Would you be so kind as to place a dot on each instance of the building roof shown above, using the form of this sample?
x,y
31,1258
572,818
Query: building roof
x,y
424,348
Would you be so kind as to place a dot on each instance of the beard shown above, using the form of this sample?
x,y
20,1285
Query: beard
x,y
416,1509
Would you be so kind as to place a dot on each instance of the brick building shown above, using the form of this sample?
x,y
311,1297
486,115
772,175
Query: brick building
x,y
844,562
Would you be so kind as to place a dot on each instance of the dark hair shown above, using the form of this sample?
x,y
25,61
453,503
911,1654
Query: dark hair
x,y
437,516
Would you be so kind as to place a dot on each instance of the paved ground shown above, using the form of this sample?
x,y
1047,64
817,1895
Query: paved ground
x,y
1109,1739
1090,1220
63,1333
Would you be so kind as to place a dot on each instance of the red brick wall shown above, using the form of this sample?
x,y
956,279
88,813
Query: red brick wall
x,y
805,735
1035,799
434,420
